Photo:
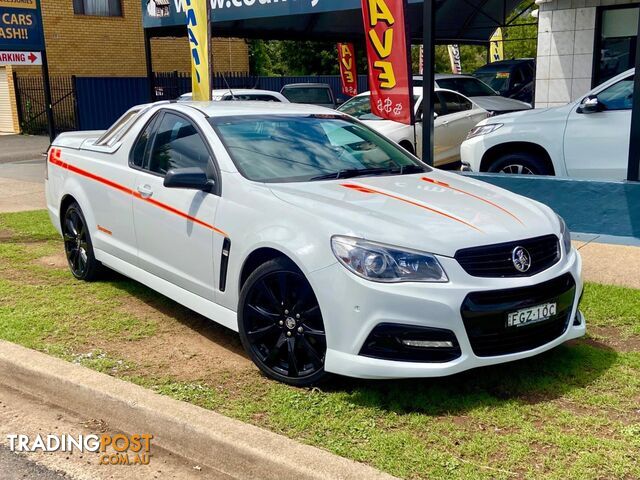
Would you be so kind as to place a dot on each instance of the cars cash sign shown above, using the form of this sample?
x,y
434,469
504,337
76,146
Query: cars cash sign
x,y
387,53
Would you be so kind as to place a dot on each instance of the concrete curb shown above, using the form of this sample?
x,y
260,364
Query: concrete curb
x,y
205,437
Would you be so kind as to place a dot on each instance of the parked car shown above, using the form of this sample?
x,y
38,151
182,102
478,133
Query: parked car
x,y
241,95
588,138
456,115
477,91
510,78
328,247
310,93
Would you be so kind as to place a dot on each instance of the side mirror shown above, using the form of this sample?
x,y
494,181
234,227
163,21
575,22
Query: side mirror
x,y
590,104
189,179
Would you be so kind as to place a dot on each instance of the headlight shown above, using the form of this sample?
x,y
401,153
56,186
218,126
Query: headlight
x,y
566,235
483,130
383,263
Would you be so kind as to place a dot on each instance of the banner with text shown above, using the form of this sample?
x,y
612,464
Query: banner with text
x,y
348,70
198,33
388,56
21,26
454,58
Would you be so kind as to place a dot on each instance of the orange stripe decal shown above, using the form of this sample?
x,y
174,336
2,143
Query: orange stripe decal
x,y
364,189
105,230
446,185
55,159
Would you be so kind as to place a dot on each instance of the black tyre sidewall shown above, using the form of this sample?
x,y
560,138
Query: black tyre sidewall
x,y
94,267
526,159
273,266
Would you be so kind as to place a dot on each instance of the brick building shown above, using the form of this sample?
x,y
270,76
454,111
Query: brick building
x,y
106,38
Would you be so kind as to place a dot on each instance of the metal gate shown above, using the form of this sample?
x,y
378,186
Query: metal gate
x,y
31,104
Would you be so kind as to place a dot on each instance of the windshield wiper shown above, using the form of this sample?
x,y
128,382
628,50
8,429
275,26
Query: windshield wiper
x,y
363,172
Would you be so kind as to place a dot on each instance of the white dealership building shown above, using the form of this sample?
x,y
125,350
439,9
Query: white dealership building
x,y
582,43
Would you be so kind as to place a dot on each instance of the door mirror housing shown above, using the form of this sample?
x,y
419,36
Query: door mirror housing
x,y
188,179
590,104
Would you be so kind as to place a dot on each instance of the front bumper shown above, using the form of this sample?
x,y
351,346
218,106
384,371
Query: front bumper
x,y
353,307
472,151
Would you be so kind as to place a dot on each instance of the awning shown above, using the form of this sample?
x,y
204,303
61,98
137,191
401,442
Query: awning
x,y
458,21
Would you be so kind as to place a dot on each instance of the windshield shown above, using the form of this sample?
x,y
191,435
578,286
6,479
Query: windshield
x,y
498,80
293,148
312,95
468,86
360,107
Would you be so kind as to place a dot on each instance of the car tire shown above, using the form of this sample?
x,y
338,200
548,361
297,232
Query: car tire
x,y
78,246
524,163
281,326
408,147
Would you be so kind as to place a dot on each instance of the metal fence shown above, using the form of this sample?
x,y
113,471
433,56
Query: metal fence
x,y
31,104
87,103
170,85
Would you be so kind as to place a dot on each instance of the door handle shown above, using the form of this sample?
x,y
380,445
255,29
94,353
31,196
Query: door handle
x,y
145,191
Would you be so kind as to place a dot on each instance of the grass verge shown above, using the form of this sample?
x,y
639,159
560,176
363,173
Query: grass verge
x,y
570,413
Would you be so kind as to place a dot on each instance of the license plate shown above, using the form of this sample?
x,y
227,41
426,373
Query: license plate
x,y
526,316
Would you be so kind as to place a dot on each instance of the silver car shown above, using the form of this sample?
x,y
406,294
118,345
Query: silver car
x,y
477,91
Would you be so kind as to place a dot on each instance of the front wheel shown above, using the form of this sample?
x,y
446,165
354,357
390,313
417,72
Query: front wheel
x,y
78,246
281,325
523,163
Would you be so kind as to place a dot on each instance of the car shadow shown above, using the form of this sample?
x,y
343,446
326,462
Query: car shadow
x,y
212,331
574,365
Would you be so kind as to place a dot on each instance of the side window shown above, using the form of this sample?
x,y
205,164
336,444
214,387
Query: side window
x,y
177,145
140,147
618,96
465,103
455,103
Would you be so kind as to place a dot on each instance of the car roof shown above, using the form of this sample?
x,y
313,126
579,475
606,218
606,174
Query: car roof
x,y
230,109
442,76
302,85
244,91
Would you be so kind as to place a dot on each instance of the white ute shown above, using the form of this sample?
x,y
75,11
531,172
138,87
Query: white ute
x,y
327,247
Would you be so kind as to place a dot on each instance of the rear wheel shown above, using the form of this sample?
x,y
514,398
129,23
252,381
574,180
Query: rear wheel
x,y
523,163
77,245
281,325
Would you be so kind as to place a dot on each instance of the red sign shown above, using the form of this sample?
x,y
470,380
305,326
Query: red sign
x,y
348,71
388,54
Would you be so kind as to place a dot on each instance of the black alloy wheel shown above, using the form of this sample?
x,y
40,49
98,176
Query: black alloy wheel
x,y
281,325
77,245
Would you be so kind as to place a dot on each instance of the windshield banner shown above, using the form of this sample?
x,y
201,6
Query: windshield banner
x,y
388,55
348,70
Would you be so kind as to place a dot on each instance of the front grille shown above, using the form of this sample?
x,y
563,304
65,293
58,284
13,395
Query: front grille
x,y
496,260
485,317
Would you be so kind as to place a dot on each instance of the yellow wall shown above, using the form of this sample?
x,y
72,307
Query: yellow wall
x,y
114,46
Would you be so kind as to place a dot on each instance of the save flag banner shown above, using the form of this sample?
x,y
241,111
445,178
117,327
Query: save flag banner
x,y
454,57
497,46
388,56
198,33
348,70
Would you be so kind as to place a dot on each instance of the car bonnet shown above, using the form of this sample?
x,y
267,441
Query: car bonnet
x,y
434,211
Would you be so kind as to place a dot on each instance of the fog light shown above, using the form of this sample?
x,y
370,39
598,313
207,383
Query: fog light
x,y
427,344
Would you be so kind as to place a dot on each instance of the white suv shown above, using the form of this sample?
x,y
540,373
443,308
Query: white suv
x,y
587,139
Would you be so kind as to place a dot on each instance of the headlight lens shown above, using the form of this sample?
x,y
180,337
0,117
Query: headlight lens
x,y
483,130
566,235
383,263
